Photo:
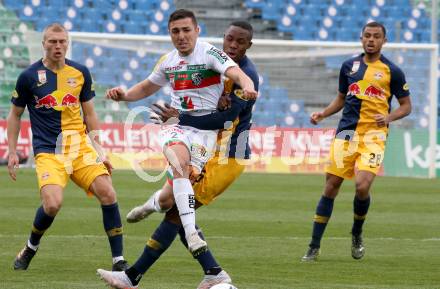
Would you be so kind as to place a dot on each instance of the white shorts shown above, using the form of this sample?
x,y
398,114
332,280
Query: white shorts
x,y
200,143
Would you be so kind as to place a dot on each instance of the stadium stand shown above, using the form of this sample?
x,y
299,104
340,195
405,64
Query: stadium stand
x,y
277,19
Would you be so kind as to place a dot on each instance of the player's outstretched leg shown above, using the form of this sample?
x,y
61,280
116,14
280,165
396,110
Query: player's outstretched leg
x,y
323,213
143,211
156,245
42,222
214,274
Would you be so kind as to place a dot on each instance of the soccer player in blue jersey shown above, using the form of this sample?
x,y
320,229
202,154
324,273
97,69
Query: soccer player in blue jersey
x,y
217,175
56,91
367,84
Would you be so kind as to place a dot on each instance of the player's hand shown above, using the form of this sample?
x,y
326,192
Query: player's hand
x,y
316,117
249,93
107,164
115,93
166,113
381,120
13,165
224,102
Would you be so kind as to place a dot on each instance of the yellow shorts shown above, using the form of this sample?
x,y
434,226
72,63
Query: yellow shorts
x,y
55,169
364,154
216,178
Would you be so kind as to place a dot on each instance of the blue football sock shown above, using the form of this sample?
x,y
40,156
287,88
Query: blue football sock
x,y
42,222
206,259
360,210
113,228
322,216
156,245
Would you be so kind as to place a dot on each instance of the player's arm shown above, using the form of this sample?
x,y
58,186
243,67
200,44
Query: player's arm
x,y
216,120
140,90
13,129
336,105
403,110
92,124
245,82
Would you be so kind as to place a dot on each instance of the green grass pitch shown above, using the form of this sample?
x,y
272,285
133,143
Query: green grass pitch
x,y
258,230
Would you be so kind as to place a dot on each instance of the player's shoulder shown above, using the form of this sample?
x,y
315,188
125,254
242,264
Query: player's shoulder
x,y
249,69
394,68
167,57
77,66
248,66
31,70
211,50
352,61
203,45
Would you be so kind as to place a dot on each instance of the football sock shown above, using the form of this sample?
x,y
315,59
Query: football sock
x,y
113,228
360,210
156,245
322,216
153,203
42,222
185,202
206,259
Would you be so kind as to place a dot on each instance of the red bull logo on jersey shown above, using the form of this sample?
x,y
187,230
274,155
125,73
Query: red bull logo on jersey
x,y
365,90
48,101
56,100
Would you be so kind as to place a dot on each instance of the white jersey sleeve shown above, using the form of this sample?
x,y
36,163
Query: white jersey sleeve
x,y
218,60
158,75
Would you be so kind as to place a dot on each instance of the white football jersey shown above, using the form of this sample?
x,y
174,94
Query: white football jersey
x,y
196,80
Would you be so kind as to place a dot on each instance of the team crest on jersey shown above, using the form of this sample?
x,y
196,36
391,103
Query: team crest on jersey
x,y
198,151
42,79
378,75
15,94
71,82
355,67
45,176
196,78
406,87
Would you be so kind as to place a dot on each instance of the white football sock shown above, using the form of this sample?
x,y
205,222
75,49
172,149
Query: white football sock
x,y
153,203
185,202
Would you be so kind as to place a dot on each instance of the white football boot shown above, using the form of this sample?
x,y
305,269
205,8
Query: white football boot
x,y
115,279
211,280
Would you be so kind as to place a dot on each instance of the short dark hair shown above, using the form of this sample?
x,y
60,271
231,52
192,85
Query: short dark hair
x,y
56,27
375,24
182,14
245,25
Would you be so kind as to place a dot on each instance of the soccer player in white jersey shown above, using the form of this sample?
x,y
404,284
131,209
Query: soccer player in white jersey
x,y
194,71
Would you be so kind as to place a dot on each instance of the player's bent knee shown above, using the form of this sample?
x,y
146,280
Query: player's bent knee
x,y
166,204
362,189
106,197
52,208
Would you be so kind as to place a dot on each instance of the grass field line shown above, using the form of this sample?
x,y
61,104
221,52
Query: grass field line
x,y
228,237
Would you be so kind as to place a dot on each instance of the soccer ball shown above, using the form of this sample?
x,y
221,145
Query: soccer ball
x,y
223,286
